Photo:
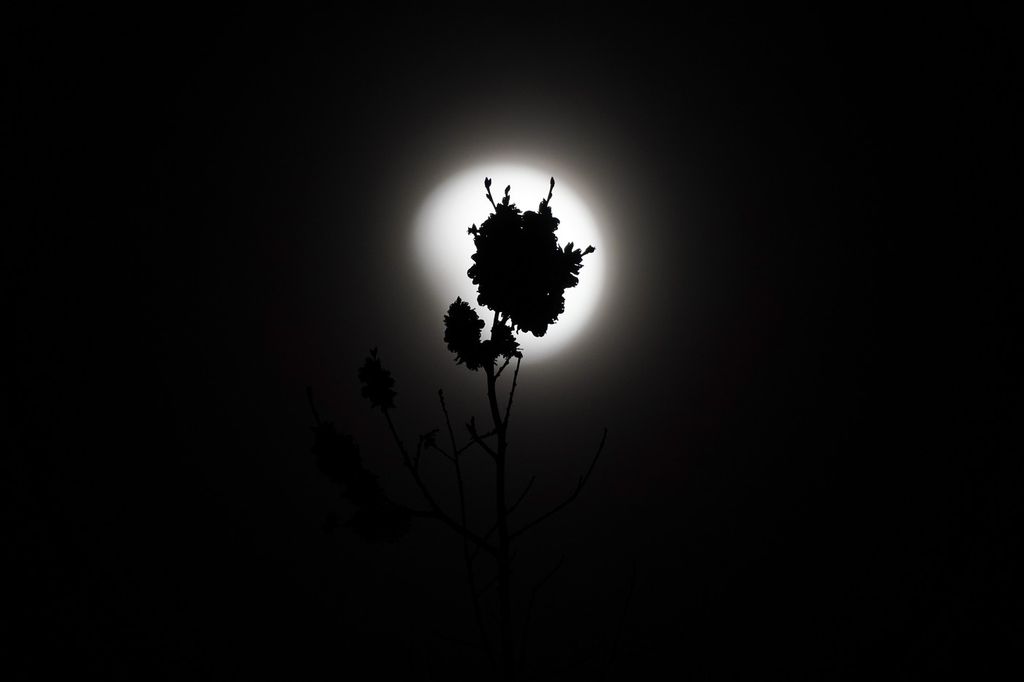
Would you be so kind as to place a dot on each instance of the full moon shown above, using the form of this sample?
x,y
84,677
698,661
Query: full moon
x,y
444,249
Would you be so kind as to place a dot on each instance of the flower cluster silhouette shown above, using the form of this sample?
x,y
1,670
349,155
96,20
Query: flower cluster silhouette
x,y
519,268
462,330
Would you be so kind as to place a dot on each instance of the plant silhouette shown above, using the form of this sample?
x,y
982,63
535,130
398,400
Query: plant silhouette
x,y
521,274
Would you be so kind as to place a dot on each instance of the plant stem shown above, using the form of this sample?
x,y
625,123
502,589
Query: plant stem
x,y
474,594
506,643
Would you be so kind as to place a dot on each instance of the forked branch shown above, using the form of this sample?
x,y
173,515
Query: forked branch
x,y
575,493
435,508
474,593
479,440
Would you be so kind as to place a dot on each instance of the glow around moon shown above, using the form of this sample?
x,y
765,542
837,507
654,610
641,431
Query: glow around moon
x,y
444,249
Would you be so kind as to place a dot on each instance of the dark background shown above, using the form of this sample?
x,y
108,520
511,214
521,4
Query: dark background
x,y
806,360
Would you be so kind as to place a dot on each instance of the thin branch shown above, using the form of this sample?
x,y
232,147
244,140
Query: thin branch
x,y
417,513
467,446
494,527
312,406
487,536
447,420
478,439
575,493
522,495
529,609
441,451
512,392
438,512
487,434
456,450
474,594
471,443
416,455
494,581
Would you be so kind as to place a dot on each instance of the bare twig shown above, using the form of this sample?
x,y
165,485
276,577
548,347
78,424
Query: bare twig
x,y
487,536
438,513
441,451
522,495
487,434
416,455
575,493
494,581
494,527
474,594
468,445
512,392
447,420
529,609
478,439
312,406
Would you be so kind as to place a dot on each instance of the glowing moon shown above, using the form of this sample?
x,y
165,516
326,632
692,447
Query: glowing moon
x,y
444,249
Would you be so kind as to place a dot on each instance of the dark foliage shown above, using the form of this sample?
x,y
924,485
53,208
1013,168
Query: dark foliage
x,y
501,344
376,517
519,268
378,384
462,328
462,331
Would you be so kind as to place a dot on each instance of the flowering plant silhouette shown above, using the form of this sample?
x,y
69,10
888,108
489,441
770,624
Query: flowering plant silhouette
x,y
519,269
521,274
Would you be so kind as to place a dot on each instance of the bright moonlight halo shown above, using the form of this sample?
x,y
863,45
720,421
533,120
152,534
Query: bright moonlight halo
x,y
444,249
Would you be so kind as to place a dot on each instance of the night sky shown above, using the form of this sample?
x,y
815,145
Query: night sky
x,y
804,356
